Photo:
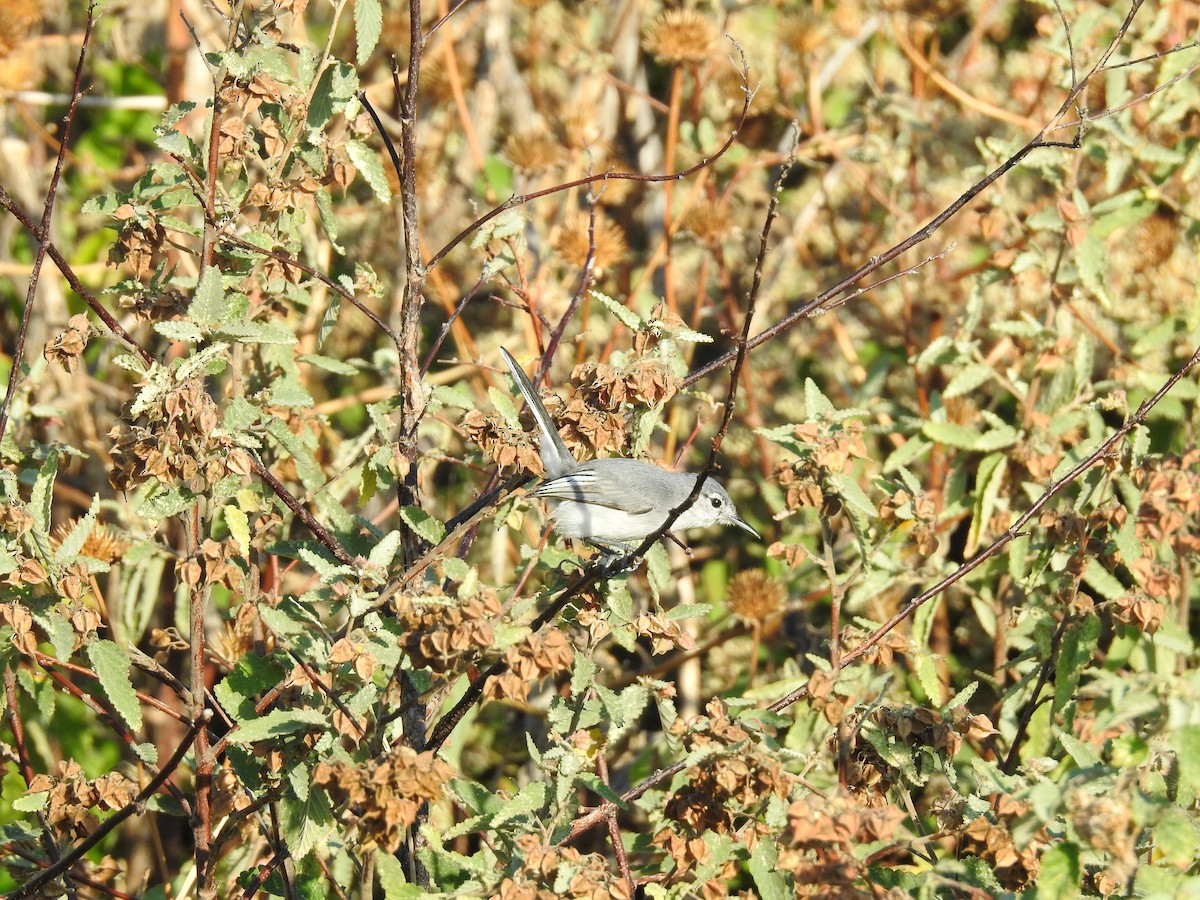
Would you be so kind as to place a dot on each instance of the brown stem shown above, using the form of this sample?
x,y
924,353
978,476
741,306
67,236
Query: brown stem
x,y
42,233
29,888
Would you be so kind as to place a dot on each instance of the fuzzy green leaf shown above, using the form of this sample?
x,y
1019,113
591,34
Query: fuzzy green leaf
x,y
112,668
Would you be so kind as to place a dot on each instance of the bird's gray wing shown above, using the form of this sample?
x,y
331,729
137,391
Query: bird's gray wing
x,y
629,485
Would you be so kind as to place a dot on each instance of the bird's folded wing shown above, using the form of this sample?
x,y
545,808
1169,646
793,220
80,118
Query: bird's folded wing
x,y
586,487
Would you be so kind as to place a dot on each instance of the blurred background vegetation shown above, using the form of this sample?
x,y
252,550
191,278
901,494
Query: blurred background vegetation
x,y
1033,728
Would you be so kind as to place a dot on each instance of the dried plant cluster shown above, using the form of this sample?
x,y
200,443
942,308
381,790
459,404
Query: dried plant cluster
x,y
274,617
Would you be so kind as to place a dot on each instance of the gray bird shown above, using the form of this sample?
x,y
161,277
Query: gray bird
x,y
616,502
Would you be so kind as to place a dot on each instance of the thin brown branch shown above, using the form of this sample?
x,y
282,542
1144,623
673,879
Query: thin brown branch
x,y
1013,532
137,805
42,233
1037,142
521,199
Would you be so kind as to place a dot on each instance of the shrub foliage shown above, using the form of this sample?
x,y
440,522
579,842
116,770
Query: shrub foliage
x,y
915,280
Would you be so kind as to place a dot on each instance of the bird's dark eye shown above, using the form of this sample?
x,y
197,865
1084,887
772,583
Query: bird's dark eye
x,y
716,502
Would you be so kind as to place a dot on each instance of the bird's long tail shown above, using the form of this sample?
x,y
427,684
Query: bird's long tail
x,y
556,458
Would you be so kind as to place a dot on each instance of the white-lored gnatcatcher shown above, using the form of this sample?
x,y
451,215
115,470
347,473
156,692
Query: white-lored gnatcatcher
x,y
616,501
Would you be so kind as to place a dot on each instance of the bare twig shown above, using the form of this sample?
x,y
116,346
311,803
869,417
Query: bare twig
x,y
42,233
521,199
1037,142
29,888
1014,531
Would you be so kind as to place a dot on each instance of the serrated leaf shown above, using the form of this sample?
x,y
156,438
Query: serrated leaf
x,y
1102,581
329,364
239,527
423,524
279,723
42,494
970,378
853,494
964,438
1085,757
30,802
208,306
658,570
307,466
256,333
1060,874
384,552
989,480
239,414
163,504
112,669
623,314
305,822
504,405
764,869
131,363
367,162
77,537
368,24
393,880
925,664
816,403
329,319
320,110
61,633
180,330
530,799
1078,647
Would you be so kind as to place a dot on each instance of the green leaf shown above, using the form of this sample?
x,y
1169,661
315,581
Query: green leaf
x,y
112,668
180,330
31,802
384,552
925,664
256,333
239,527
816,404
329,364
1091,257
279,723
850,491
970,378
305,822
367,162
423,524
658,570
1078,647
623,314
1085,757
239,415
1175,839
583,674
764,869
1061,874
307,467
61,633
208,306
989,480
42,494
162,504
74,541
368,24
320,110
530,799
392,879
953,435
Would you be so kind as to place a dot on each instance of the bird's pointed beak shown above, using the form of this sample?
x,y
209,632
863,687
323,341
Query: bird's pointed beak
x,y
744,525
